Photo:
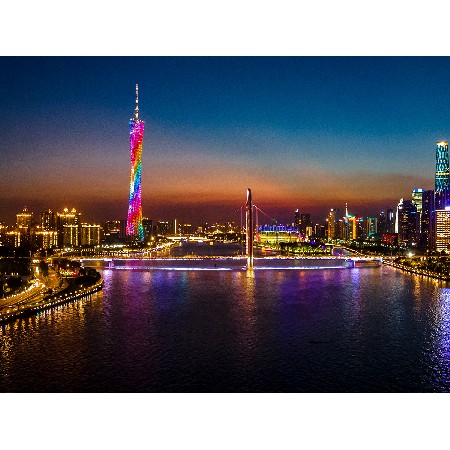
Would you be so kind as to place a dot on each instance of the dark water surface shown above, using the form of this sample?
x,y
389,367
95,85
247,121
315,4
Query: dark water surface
x,y
324,330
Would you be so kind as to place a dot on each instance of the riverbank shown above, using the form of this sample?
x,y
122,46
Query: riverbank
x,y
422,272
72,292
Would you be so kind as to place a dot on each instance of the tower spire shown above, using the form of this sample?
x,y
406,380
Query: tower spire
x,y
136,109
135,230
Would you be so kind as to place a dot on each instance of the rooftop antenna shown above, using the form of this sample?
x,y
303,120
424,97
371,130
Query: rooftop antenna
x,y
136,109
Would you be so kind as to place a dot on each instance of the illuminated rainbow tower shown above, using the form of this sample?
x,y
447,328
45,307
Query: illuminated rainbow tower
x,y
135,230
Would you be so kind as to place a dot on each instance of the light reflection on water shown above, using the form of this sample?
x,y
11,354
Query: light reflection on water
x,y
155,330
440,341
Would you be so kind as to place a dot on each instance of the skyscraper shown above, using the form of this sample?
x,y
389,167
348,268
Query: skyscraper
x,y
443,229
407,223
48,222
371,226
297,220
24,219
427,220
90,234
333,224
417,200
442,180
147,225
135,230
382,223
352,227
67,224
390,221
305,222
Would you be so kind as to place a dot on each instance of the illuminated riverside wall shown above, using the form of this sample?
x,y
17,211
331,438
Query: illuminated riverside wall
x,y
135,230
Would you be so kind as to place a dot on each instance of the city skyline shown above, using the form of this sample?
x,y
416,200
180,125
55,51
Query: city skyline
x,y
217,126
311,134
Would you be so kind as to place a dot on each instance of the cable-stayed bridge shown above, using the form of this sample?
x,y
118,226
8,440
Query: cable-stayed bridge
x,y
250,234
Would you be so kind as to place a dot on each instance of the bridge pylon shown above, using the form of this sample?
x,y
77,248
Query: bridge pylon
x,y
249,230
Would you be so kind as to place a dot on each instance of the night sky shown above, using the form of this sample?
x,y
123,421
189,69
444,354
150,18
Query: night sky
x,y
307,133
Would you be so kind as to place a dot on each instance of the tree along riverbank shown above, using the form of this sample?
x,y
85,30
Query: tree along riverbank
x,y
437,267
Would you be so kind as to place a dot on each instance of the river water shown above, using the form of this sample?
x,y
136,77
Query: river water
x,y
225,329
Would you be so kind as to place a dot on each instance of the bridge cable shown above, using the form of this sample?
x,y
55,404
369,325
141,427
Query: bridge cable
x,y
270,217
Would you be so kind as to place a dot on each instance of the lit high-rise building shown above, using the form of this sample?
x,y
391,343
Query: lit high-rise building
x,y
371,226
48,222
190,229
3,230
360,228
442,180
70,236
147,224
135,229
407,223
351,226
12,238
67,224
382,223
162,228
443,230
319,231
90,234
333,224
305,222
390,220
417,199
45,239
24,219
113,232
427,221
442,198
68,217
297,220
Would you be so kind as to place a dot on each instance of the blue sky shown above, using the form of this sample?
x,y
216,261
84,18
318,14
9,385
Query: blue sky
x,y
307,133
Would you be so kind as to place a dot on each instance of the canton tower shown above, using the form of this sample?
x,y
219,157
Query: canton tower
x,y
135,230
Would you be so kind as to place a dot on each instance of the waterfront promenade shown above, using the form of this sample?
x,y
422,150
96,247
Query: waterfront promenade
x,y
46,292
418,271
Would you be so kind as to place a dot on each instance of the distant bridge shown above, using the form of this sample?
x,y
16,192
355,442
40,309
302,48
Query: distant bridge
x,y
271,234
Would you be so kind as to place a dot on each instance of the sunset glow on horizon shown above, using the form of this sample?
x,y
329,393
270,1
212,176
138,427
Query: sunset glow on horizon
x,y
307,133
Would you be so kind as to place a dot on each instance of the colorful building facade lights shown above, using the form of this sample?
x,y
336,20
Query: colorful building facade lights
x,y
442,180
135,230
